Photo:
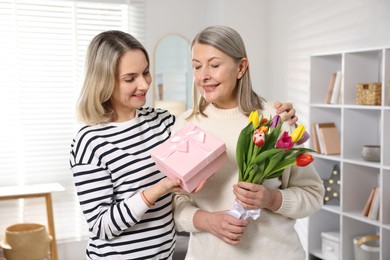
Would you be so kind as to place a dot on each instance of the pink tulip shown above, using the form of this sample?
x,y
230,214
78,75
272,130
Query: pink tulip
x,y
285,141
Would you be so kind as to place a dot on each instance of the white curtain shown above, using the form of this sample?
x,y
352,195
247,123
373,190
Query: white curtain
x,y
42,52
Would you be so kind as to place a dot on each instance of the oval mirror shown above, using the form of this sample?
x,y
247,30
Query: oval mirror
x,y
172,74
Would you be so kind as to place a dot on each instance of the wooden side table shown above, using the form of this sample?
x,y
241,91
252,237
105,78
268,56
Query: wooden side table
x,y
36,191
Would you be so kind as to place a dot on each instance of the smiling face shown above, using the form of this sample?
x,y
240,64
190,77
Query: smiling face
x,y
132,83
216,75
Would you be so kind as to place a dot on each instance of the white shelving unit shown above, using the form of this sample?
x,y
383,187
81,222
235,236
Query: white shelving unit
x,y
358,125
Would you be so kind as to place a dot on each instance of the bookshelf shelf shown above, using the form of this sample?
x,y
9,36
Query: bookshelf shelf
x,y
358,125
358,216
332,208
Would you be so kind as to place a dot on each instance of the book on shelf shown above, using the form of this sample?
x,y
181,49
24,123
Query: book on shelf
x,y
328,138
330,88
314,138
375,204
335,97
368,204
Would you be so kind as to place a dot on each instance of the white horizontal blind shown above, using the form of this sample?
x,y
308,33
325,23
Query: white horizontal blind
x,y
137,19
42,52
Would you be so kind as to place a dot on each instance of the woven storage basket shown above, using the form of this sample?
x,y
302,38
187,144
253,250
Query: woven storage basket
x,y
369,93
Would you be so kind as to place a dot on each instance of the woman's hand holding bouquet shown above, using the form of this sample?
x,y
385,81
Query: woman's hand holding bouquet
x,y
264,152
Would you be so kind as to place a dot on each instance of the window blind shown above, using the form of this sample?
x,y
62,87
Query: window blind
x,y
42,48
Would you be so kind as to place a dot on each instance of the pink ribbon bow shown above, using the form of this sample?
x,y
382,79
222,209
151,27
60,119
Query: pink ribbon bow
x,y
180,142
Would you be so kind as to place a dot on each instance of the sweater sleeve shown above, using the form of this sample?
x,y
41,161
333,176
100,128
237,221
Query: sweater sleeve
x,y
106,217
184,211
302,192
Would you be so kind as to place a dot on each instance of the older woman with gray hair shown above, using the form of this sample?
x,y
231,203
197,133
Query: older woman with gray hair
x,y
221,77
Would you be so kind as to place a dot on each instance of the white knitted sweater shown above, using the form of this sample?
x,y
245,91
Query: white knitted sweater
x,y
272,236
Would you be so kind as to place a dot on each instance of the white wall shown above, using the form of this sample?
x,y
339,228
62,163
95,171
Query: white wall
x,y
302,28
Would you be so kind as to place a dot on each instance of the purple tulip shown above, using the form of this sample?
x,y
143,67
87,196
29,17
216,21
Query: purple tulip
x,y
275,121
304,138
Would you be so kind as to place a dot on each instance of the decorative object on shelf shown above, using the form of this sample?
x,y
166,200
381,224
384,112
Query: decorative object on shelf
x,y
369,93
26,241
332,187
366,247
371,153
330,246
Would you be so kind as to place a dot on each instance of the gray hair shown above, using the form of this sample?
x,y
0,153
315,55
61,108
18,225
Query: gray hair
x,y
228,41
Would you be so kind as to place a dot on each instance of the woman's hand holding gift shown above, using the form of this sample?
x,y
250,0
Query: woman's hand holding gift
x,y
256,196
164,186
220,224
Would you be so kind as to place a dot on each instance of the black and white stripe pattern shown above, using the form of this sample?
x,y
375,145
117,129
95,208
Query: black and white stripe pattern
x,y
111,164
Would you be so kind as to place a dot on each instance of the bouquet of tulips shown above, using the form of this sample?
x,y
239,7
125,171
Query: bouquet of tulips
x,y
264,152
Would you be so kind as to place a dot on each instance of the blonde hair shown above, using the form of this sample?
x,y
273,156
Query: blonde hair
x,y
101,63
228,41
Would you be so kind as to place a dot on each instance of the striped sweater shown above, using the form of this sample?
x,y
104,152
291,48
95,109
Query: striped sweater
x,y
111,165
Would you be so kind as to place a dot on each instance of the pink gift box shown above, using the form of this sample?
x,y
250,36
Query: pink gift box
x,y
190,155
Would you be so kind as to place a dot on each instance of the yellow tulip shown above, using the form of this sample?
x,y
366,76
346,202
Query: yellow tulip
x,y
254,118
297,133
